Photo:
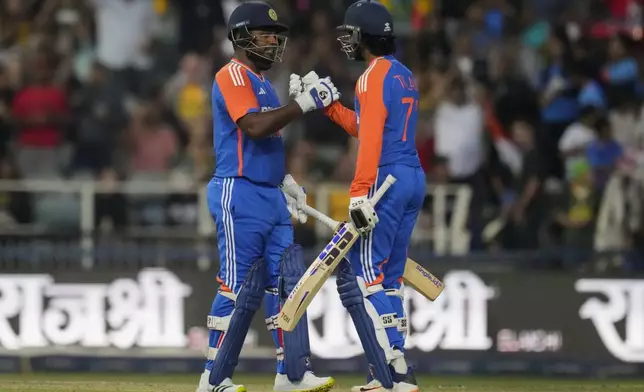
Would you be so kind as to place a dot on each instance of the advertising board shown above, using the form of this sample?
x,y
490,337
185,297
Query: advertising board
x,y
496,318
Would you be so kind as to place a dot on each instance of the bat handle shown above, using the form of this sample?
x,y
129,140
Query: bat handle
x,y
389,181
332,223
310,211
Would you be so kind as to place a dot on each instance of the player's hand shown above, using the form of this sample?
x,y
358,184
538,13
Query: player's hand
x,y
295,86
295,198
309,79
318,95
362,214
296,83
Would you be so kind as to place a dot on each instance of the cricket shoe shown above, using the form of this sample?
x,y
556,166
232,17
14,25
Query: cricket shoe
x,y
409,378
225,386
309,383
376,386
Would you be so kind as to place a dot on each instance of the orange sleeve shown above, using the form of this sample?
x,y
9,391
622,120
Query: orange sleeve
x,y
373,114
344,117
237,91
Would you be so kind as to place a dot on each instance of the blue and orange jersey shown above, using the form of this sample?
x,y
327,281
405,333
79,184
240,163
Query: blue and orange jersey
x,y
237,91
384,121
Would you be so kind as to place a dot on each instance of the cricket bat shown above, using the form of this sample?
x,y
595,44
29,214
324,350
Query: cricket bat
x,y
317,274
415,276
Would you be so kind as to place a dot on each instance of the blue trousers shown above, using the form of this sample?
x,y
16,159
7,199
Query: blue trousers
x,y
252,222
379,257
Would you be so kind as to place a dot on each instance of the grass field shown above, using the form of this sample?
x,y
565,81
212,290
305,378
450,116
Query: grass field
x,y
187,383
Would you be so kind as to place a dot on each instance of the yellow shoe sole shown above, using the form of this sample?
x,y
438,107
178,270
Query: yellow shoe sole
x,y
322,388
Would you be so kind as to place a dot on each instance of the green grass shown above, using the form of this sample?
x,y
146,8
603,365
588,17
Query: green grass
x,y
56,382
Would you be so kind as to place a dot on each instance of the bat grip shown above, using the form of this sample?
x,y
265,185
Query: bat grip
x,y
310,211
389,181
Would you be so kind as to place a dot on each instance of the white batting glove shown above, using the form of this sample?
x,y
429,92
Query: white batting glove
x,y
362,214
295,86
295,198
318,95
309,79
296,83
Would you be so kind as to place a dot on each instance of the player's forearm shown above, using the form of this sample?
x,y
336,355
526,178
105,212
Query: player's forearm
x,y
261,125
344,117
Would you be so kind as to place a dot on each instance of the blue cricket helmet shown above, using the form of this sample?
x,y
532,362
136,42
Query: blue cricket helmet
x,y
365,18
258,15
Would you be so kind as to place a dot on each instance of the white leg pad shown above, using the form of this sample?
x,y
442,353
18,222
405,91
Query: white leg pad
x,y
216,323
380,322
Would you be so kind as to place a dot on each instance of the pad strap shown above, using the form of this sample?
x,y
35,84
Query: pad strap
x,y
211,354
402,324
389,320
271,323
231,296
216,323
395,293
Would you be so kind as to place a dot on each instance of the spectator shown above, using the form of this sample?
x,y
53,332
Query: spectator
x,y
458,128
514,97
621,70
525,213
627,121
41,113
559,107
124,39
577,138
603,153
154,145
101,118
187,93
590,91
576,213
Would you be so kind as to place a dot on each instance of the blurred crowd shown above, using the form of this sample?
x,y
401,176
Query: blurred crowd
x,y
532,103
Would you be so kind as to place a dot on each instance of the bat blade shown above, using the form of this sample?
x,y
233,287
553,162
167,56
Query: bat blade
x,y
315,276
422,280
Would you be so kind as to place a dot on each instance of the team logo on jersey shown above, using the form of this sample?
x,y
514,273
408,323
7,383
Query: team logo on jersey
x,y
272,14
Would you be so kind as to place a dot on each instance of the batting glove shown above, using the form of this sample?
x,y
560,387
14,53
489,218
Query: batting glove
x,y
309,79
362,214
295,86
296,83
318,95
295,198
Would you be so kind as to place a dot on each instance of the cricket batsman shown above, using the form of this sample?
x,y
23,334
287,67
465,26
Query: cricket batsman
x,y
252,200
384,121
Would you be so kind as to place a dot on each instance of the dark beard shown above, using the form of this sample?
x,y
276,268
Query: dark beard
x,y
261,63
